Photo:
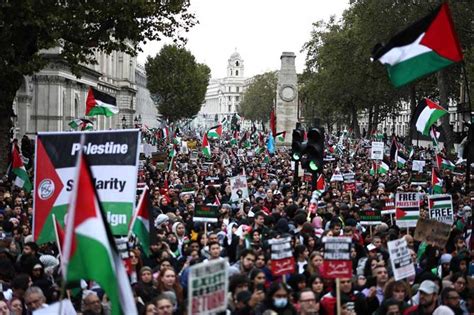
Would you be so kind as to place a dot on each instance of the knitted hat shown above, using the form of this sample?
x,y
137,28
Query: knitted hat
x,y
145,268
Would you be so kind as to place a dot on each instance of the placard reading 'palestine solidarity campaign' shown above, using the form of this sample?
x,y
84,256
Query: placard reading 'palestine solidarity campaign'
x,y
113,157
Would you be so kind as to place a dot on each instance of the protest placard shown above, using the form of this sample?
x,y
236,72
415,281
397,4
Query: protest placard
x,y
113,157
206,213
418,165
238,185
388,206
208,286
337,257
400,259
282,261
370,217
433,232
407,208
376,152
441,208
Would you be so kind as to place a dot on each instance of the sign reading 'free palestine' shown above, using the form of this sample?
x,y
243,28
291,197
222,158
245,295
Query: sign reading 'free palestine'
x,y
113,156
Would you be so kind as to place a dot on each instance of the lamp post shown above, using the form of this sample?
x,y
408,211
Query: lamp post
x,y
124,122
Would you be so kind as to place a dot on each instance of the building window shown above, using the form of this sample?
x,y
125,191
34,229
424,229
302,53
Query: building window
x,y
230,99
237,63
230,89
237,98
230,72
236,73
230,107
237,89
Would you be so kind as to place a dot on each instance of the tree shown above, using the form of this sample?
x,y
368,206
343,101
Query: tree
x,y
257,102
177,82
79,28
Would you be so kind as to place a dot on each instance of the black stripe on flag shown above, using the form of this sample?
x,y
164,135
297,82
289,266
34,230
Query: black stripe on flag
x,y
407,36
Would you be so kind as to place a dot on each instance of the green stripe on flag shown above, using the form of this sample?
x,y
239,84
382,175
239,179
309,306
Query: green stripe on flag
x,y
413,68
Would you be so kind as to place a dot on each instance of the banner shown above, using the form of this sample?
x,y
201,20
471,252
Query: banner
x,y
113,156
337,257
239,187
407,209
206,213
441,208
376,152
349,182
208,284
432,231
282,261
400,259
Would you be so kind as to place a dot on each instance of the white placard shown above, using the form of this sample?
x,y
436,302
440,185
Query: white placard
x,y
377,151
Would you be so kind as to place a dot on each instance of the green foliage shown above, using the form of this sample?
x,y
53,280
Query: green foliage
x,y
259,97
177,82
79,28
340,82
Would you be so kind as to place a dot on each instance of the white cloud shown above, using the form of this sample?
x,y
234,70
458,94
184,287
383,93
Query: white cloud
x,y
260,30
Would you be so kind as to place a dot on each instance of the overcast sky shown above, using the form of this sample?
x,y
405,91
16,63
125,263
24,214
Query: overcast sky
x,y
260,30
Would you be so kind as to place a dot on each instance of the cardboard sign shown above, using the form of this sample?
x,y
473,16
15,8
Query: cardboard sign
x,y
441,208
400,259
337,257
206,213
432,231
376,153
113,158
208,286
407,209
282,257
238,185
370,217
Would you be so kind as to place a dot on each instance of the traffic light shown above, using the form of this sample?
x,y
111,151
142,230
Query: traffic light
x,y
298,144
314,150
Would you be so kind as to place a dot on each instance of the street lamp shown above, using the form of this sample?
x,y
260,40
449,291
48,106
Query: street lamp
x,y
124,122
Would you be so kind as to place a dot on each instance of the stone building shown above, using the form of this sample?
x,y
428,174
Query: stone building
x,y
223,95
51,98
146,111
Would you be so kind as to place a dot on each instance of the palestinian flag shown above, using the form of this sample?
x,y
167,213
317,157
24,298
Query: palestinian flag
x,y
172,153
165,132
281,136
215,132
411,153
206,147
22,179
401,159
81,124
444,164
434,134
140,224
89,250
426,114
426,46
373,168
383,168
436,182
100,103
320,187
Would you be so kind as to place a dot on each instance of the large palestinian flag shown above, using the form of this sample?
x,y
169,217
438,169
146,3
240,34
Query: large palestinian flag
x,y
426,46
100,103
444,164
89,250
426,114
114,159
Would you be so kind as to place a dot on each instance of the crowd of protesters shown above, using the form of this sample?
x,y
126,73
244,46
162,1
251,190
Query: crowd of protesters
x,y
278,206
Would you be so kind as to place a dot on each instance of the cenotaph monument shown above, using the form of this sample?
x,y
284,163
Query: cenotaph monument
x,y
287,97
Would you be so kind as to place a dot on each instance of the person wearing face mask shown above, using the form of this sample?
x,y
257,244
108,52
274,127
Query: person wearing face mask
x,y
277,300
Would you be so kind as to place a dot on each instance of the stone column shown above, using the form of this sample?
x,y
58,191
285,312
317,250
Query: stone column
x,y
287,97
